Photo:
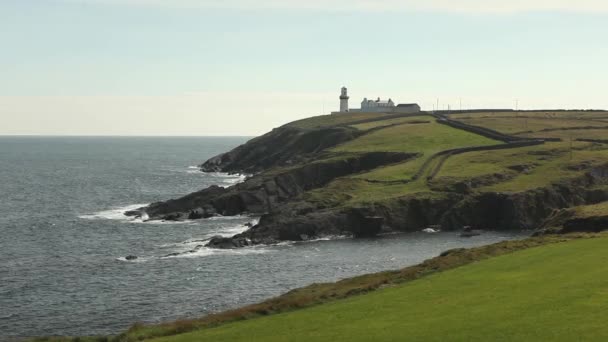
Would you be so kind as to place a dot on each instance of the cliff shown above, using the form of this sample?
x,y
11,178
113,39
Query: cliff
x,y
365,174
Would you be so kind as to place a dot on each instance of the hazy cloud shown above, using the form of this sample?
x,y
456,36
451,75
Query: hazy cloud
x,y
466,6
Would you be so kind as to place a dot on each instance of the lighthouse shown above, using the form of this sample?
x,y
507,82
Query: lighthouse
x,y
344,100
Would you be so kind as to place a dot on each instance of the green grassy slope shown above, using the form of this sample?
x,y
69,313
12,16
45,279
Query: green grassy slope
x,y
592,125
556,292
600,209
424,138
336,119
518,169
541,165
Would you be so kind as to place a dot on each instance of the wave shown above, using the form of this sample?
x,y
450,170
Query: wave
x,y
114,214
206,251
227,178
118,214
218,178
7,316
226,231
201,251
194,170
325,238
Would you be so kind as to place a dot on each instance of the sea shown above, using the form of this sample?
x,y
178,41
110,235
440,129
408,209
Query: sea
x,y
64,239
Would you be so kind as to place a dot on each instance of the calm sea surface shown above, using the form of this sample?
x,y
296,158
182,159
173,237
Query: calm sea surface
x,y
63,239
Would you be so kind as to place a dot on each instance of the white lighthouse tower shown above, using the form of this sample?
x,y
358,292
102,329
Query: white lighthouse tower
x,y
344,100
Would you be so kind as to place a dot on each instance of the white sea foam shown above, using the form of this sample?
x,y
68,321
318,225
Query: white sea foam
x,y
194,170
226,231
205,251
227,218
118,214
227,178
431,230
114,214
326,238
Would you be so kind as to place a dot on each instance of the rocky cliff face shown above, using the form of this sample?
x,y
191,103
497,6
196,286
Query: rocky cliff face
x,y
289,161
265,192
282,146
299,220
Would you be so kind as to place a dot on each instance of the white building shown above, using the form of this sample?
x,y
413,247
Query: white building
x,y
376,106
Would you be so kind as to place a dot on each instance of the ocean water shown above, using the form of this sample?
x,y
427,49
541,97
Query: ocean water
x,y
63,239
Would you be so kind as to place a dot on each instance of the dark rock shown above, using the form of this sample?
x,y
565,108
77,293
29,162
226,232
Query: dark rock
x,y
206,211
452,251
594,224
362,225
136,212
172,255
263,193
221,242
282,146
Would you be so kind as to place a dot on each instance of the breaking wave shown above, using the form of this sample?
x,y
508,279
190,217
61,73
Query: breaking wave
x,y
114,214
206,251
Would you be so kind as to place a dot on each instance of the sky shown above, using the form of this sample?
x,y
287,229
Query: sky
x,y
243,67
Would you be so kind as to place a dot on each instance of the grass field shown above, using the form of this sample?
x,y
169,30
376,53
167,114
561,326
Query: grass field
x,y
531,167
551,293
513,125
566,135
520,169
396,121
424,138
600,209
414,138
574,114
336,119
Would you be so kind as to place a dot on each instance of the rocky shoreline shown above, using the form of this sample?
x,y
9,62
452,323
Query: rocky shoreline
x,y
289,161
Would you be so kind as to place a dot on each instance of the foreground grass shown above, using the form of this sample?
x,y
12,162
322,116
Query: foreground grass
x,y
555,292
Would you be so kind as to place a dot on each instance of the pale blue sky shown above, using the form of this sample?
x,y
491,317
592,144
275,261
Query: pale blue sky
x,y
187,67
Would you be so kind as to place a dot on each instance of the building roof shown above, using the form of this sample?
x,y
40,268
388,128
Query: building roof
x,y
407,104
378,101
